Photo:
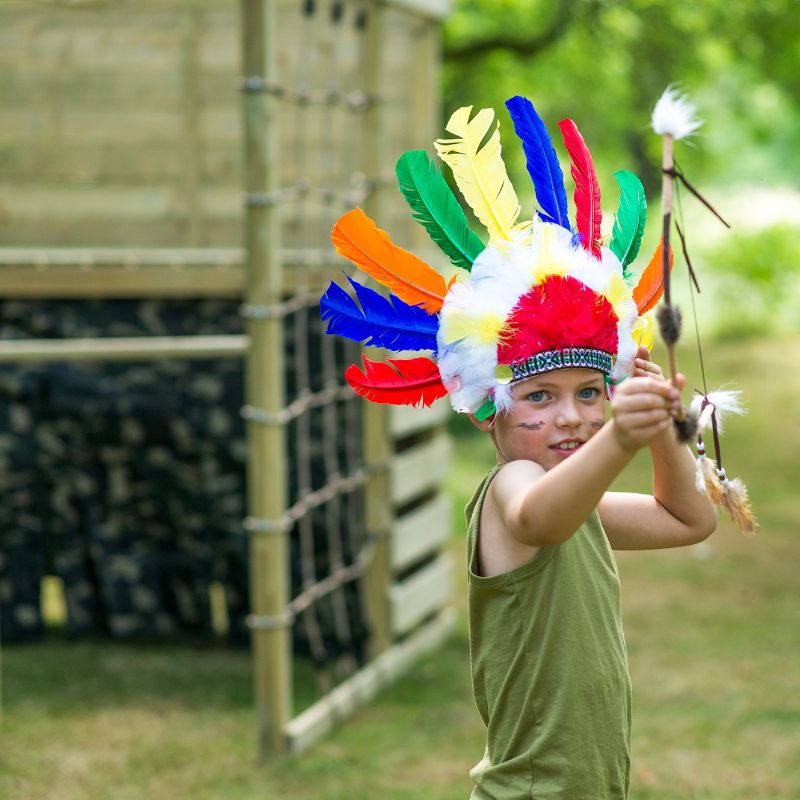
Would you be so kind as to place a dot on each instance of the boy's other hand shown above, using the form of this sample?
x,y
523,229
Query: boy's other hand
x,y
645,367
643,408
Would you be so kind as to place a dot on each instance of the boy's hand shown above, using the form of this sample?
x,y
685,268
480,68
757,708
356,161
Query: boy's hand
x,y
643,405
644,367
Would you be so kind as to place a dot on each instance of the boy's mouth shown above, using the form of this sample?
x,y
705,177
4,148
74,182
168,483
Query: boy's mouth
x,y
567,446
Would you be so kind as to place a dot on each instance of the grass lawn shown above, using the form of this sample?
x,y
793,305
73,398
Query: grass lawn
x,y
713,634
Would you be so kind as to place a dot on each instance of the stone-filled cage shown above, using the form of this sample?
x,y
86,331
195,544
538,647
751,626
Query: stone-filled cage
x,y
169,175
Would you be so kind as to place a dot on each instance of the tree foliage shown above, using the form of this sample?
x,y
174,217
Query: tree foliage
x,y
605,62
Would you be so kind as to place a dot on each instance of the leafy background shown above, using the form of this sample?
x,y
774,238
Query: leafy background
x,y
604,64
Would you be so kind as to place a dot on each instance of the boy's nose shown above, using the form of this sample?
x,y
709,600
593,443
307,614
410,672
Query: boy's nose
x,y
568,415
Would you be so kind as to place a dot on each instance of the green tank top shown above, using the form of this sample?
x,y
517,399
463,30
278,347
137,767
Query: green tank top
x,y
550,671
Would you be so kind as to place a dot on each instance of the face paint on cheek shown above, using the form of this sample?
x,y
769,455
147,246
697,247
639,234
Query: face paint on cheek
x,y
531,426
596,424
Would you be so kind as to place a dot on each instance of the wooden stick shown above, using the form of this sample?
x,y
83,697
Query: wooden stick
x,y
667,166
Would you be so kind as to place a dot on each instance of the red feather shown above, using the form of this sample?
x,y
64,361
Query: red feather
x,y
588,214
651,284
406,382
558,313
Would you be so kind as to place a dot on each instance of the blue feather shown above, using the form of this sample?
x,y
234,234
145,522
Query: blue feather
x,y
542,162
379,322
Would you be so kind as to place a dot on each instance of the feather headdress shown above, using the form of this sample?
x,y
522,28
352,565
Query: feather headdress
x,y
540,296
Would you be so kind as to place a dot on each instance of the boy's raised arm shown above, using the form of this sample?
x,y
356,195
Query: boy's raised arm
x,y
540,508
676,514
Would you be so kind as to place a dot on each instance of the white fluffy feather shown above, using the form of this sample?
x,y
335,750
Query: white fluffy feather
x,y
674,115
724,402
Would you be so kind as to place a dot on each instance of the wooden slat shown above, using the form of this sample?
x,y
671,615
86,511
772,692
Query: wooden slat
x,y
405,420
418,469
115,272
313,723
421,532
69,272
421,594
434,9
140,348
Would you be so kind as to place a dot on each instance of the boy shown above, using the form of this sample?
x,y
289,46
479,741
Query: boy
x,y
538,327
549,664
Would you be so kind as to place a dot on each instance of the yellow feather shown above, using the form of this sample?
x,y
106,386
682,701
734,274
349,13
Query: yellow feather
x,y
480,173
481,328
643,330
546,262
617,292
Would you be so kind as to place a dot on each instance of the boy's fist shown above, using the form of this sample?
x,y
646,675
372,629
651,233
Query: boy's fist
x,y
644,405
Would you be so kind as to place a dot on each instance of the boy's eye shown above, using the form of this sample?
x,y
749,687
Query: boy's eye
x,y
588,394
537,397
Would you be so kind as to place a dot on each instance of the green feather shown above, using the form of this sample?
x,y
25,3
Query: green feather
x,y
629,222
486,410
435,207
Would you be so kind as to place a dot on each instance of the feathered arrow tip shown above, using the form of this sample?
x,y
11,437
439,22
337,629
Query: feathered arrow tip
x,y
674,115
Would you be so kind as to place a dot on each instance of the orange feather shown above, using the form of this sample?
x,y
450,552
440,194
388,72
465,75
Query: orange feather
x,y
651,284
356,237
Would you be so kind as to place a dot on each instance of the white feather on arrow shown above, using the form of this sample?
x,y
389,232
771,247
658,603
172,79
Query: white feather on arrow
x,y
674,115
724,402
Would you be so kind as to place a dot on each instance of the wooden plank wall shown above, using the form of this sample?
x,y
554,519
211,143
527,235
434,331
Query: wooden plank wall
x,y
121,122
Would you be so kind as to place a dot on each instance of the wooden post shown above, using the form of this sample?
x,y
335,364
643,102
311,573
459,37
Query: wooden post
x,y
192,120
377,447
264,376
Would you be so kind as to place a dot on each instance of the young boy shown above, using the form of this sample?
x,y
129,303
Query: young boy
x,y
549,664
539,326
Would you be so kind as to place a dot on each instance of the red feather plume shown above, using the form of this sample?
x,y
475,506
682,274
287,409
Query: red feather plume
x,y
558,313
651,284
406,382
588,214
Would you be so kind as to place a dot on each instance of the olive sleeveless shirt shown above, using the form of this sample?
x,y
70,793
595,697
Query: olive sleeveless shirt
x,y
550,671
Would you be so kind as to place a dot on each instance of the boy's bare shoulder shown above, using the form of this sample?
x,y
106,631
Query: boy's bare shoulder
x,y
511,482
499,550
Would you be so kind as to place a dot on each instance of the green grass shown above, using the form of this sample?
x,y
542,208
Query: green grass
x,y
713,634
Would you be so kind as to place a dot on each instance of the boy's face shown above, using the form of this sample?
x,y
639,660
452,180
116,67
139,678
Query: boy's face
x,y
554,415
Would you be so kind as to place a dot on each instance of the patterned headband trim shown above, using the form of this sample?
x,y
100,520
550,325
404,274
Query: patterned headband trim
x,y
561,359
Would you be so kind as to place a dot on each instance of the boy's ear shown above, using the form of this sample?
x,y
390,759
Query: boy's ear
x,y
485,425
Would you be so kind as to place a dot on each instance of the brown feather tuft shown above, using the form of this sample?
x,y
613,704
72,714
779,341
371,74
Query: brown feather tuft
x,y
736,502
669,323
707,473
686,428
